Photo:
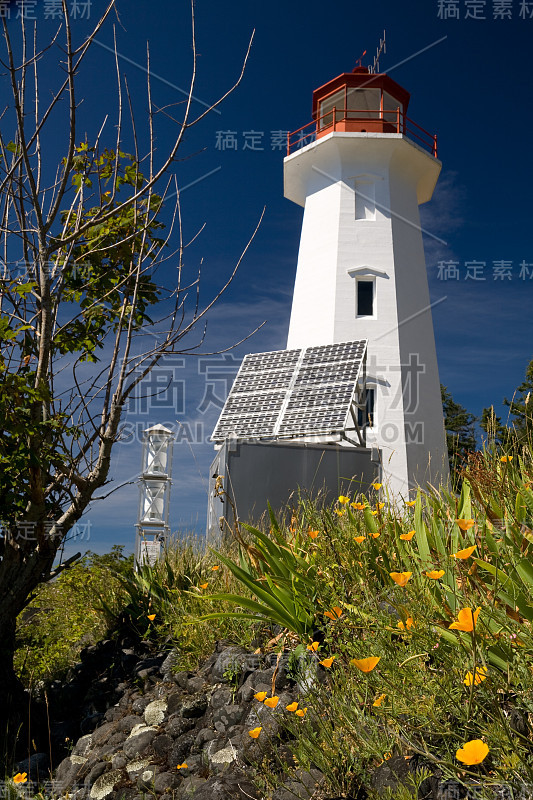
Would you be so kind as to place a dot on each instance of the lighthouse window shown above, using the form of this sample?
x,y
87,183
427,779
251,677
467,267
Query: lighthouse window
x,y
365,298
364,103
334,101
390,108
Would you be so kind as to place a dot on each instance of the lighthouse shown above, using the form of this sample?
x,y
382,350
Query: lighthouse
x,y
360,170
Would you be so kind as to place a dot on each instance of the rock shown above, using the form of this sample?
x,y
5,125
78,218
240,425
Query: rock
x,y
189,787
165,782
138,740
194,707
220,760
233,787
390,775
167,667
128,723
119,761
195,685
205,735
154,713
37,766
182,678
105,784
178,725
174,703
102,734
139,705
68,772
220,697
226,716
137,767
147,664
180,751
95,772
162,744
232,660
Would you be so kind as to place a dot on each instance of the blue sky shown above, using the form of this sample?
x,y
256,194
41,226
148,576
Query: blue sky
x,y
470,82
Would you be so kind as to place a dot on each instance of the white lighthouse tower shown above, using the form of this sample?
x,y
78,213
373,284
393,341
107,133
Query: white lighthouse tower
x,y
360,170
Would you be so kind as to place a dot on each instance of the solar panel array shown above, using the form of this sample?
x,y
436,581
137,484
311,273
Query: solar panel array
x,y
291,393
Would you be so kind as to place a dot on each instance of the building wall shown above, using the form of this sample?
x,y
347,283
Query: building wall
x,y
361,194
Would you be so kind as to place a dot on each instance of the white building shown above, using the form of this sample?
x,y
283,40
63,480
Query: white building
x,y
360,171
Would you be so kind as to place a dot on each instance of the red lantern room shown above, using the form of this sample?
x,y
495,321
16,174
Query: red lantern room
x,y
361,102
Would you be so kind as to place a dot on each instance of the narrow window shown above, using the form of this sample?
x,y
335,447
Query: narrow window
x,y
365,416
365,298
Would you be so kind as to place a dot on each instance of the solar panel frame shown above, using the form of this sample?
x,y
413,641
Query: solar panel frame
x,y
287,394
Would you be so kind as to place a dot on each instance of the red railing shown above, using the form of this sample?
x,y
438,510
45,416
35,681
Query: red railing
x,y
379,121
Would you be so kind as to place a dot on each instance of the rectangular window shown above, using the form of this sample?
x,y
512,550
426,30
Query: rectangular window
x,y
334,101
365,298
364,104
365,417
390,108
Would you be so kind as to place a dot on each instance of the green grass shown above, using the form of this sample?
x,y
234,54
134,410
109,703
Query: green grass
x,y
415,702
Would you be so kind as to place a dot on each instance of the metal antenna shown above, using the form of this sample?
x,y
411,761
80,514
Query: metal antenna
x,y
381,49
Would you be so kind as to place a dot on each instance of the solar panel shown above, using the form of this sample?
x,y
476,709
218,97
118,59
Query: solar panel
x,y
292,393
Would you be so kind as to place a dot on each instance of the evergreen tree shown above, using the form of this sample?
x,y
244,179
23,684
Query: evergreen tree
x,y
521,406
460,431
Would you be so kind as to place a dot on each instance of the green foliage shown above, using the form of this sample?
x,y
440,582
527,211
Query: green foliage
x,y
460,431
521,406
65,615
104,272
280,579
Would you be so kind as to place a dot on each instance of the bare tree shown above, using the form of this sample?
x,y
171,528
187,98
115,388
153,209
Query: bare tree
x,y
73,326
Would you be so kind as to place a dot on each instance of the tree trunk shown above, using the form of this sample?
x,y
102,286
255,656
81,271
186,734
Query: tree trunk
x,y
21,723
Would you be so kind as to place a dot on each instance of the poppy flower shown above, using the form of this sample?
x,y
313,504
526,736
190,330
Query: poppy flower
x,y
20,777
327,662
255,732
379,700
151,617
292,707
377,486
358,506
481,674
466,553
465,524
301,712
376,534
339,511
409,623
365,664
505,459
407,536
334,614
204,585
466,620
379,506
373,513
472,752
359,539
312,534
214,569
182,766
260,696
410,503
271,702
343,500
435,574
313,646
400,578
